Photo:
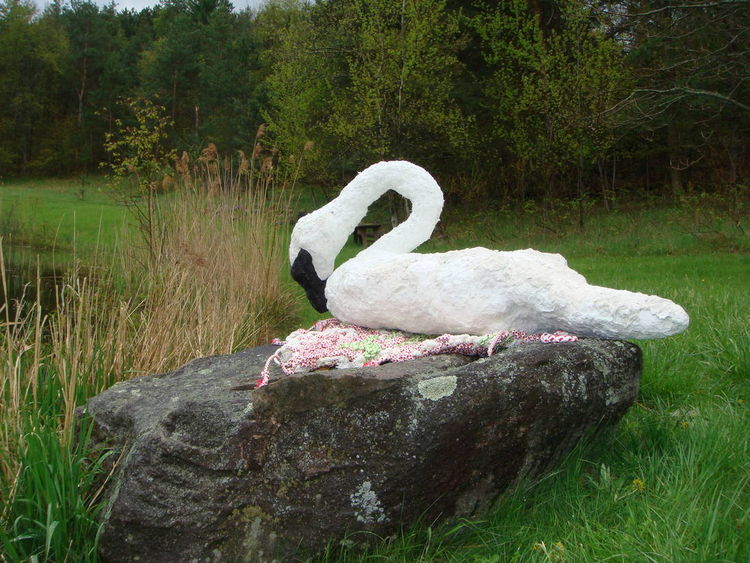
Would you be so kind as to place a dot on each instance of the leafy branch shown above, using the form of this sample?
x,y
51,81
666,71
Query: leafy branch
x,y
141,163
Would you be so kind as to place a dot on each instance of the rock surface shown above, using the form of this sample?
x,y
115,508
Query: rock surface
x,y
211,471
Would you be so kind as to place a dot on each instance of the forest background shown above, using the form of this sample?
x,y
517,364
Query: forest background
x,y
507,101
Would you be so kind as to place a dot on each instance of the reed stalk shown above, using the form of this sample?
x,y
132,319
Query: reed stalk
x,y
207,284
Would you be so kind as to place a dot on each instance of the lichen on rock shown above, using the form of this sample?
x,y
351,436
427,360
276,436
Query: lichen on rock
x,y
367,507
436,388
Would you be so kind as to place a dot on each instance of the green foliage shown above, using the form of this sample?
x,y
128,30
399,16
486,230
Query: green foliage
x,y
200,66
402,68
299,84
366,81
551,87
139,152
93,55
504,100
63,71
32,69
54,506
139,149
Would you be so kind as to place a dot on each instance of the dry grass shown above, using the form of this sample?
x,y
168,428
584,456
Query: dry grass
x,y
210,286
215,286
20,346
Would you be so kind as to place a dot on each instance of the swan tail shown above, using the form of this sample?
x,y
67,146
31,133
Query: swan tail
x,y
614,313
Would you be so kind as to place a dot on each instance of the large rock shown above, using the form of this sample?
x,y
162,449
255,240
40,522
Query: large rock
x,y
211,471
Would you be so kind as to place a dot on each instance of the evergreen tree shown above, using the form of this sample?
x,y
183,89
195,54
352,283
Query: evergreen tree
x,y
94,44
33,127
170,67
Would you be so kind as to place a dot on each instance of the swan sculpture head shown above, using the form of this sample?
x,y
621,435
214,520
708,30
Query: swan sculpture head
x,y
473,291
318,237
316,240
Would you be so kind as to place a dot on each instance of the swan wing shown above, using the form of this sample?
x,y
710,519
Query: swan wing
x,y
482,291
474,291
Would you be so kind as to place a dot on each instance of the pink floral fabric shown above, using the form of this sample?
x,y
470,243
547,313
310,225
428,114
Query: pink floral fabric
x,y
333,344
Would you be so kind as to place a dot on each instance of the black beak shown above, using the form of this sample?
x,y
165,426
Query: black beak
x,y
304,274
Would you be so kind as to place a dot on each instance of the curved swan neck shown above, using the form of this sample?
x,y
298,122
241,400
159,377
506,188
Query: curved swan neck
x,y
324,232
407,179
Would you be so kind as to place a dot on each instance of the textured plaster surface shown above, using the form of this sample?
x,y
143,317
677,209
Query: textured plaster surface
x,y
473,291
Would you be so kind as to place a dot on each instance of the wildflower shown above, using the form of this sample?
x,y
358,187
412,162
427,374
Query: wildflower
x,y
555,552
638,485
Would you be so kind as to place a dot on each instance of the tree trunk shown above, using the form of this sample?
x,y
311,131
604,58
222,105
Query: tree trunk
x,y
402,78
174,96
603,183
82,91
580,194
675,176
536,7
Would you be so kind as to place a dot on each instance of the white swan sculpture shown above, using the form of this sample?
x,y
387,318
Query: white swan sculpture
x,y
473,291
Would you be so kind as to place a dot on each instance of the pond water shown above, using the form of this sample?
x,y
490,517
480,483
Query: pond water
x,y
25,269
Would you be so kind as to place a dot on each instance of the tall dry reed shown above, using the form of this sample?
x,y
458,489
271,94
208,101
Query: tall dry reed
x,y
214,286
21,350
209,286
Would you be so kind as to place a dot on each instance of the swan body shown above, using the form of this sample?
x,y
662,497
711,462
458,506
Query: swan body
x,y
472,291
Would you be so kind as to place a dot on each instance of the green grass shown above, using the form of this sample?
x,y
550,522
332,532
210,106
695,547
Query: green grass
x,y
55,504
672,483
632,231
61,214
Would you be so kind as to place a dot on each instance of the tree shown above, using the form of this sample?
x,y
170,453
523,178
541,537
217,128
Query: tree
x,y
553,81
32,65
94,45
199,66
225,93
402,67
691,102
170,67
304,61
365,81
140,155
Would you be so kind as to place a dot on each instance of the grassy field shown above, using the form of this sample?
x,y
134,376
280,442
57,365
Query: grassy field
x,y
61,213
672,484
